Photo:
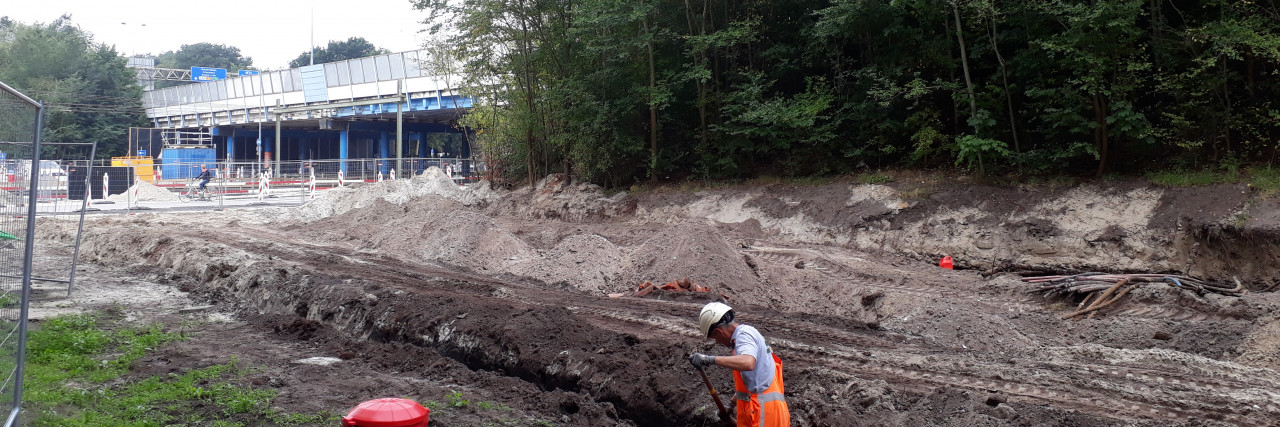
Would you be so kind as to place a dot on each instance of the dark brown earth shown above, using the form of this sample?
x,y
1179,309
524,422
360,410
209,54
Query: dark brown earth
x,y
502,297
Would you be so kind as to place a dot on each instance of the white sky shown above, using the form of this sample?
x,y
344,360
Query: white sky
x,y
271,32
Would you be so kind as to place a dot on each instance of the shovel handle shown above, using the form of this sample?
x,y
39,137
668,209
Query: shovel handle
x,y
712,390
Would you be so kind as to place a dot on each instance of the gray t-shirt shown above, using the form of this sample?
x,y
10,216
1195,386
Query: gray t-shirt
x,y
747,340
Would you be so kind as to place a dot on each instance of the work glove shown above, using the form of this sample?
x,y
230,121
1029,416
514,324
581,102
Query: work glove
x,y
699,360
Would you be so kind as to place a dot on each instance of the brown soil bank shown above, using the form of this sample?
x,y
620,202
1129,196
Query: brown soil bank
x,y
506,291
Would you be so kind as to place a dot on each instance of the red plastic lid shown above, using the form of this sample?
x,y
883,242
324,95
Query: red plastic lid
x,y
387,412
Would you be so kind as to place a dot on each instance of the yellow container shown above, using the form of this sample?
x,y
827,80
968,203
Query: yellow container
x,y
142,166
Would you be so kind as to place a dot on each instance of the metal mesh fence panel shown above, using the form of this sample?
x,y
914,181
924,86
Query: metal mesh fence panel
x,y
19,139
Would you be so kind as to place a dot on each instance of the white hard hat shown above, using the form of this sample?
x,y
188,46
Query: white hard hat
x,y
712,314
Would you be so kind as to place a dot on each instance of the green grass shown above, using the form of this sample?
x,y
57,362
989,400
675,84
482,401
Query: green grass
x,y
1185,178
74,371
1265,179
872,178
455,399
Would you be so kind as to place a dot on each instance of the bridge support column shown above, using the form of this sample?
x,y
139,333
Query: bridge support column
x,y
342,150
384,155
400,126
268,156
231,148
422,151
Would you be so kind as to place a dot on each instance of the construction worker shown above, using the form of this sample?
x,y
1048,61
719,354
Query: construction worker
x,y
757,372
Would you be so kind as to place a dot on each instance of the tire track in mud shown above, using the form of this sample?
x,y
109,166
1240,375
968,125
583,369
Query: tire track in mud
x,y
1105,390
671,319
1124,380
843,273
1078,387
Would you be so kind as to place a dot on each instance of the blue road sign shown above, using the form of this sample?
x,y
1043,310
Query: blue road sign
x,y
206,74
247,73
142,152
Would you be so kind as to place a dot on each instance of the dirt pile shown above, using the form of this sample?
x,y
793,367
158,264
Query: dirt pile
x,y
698,252
559,197
344,199
841,278
144,191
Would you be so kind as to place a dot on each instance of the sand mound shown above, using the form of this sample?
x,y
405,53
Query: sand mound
x,y
145,192
585,261
558,197
695,251
431,182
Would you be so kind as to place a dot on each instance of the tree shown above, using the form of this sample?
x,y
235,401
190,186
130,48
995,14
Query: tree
x,y
205,55
202,55
617,91
90,95
355,47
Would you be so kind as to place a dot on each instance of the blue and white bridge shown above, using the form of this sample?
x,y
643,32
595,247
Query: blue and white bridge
x,y
377,107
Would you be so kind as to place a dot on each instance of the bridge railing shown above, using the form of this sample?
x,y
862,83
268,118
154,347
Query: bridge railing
x,y
359,78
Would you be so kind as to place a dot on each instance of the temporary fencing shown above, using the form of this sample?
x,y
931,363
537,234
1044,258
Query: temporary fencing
x,y
31,186
279,183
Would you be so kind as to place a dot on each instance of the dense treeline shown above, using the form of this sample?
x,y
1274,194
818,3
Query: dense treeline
x,y
617,91
89,94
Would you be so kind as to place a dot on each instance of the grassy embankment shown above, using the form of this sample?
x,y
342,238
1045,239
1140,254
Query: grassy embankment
x,y
76,366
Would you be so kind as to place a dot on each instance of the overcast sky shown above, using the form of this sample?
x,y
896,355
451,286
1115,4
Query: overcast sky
x,y
272,32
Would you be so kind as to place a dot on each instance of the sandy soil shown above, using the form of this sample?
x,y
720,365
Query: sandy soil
x,y
421,288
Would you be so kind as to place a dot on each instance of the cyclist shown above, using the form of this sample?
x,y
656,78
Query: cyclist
x,y
205,175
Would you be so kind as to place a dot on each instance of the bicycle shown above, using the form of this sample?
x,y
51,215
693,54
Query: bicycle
x,y
192,191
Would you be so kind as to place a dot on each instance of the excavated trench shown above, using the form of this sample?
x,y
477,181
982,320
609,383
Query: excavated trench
x,y
871,329
510,326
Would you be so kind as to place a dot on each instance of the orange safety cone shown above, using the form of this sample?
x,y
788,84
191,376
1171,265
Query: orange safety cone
x,y
946,263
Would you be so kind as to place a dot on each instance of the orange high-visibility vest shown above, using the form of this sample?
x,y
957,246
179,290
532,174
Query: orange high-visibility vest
x,y
765,409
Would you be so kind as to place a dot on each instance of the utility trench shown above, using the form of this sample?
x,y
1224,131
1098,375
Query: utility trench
x,y
870,330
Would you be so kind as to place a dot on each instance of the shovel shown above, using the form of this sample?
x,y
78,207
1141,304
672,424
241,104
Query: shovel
x,y
724,413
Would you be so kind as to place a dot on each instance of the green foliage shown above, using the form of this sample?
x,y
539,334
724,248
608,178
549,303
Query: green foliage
x,y
73,373
89,93
872,178
205,55
202,55
1178,178
455,399
338,50
1266,180
822,87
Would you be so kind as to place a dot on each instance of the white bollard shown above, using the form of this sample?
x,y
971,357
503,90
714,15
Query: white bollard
x,y
393,174
104,186
134,198
339,178
313,184
262,186
379,175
